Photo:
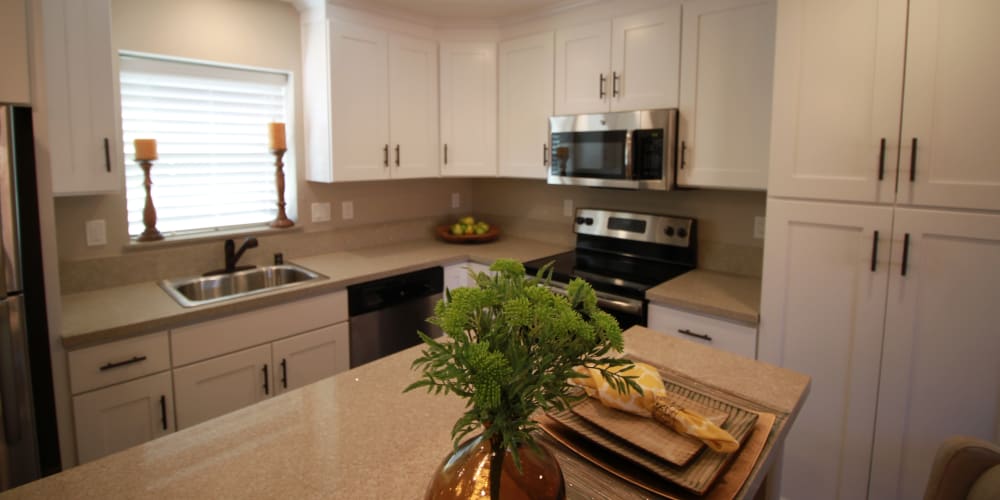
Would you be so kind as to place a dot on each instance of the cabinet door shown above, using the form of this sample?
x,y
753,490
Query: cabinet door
x,y
413,107
312,356
645,59
456,276
359,89
940,369
822,309
122,416
526,66
218,386
583,74
469,109
79,85
725,104
14,52
838,72
951,108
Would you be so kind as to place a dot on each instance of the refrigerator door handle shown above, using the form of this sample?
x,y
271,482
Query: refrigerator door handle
x,y
11,410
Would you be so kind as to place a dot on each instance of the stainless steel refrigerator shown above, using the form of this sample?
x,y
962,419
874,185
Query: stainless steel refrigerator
x,y
29,445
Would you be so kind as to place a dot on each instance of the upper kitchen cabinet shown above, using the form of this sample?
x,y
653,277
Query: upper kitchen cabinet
x,y
526,72
628,63
725,94
468,109
951,111
14,86
79,87
373,100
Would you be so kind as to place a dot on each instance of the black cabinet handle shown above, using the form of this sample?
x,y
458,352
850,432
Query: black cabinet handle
x,y
881,161
107,155
601,91
445,154
397,155
689,333
913,161
135,359
684,149
545,155
163,411
385,155
284,374
906,254
874,250
267,382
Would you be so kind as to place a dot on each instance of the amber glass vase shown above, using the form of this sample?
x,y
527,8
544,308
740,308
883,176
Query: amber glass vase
x,y
469,473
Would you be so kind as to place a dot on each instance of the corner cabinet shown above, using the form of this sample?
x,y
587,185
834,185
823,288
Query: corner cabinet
x,y
628,63
725,93
468,109
374,94
79,87
15,87
526,66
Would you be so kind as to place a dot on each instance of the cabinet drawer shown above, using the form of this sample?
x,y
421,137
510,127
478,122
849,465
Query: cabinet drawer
x,y
715,332
225,335
119,361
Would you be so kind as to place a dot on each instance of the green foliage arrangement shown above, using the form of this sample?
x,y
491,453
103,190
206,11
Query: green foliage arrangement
x,y
513,347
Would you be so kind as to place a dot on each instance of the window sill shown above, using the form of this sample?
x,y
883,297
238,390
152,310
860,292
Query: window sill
x,y
188,238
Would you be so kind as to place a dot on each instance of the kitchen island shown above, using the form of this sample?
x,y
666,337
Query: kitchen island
x,y
356,435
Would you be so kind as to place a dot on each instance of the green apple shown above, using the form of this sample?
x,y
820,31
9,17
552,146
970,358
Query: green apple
x,y
457,229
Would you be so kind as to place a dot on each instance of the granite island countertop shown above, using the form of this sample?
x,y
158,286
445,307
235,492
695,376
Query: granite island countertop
x,y
356,435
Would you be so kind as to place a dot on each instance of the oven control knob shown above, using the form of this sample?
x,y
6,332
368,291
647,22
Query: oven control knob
x,y
669,231
589,221
681,232
579,220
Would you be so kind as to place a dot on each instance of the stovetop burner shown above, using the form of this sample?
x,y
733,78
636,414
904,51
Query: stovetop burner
x,y
610,273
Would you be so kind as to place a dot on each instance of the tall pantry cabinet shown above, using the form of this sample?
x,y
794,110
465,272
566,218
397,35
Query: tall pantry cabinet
x,y
882,254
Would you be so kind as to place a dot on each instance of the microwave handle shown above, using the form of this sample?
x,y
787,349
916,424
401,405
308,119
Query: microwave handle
x,y
628,155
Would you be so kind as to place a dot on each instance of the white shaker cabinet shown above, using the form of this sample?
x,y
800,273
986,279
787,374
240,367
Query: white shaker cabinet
x,y
838,82
628,63
81,102
526,72
220,385
468,109
310,357
15,85
950,128
707,330
940,368
121,416
725,93
413,107
826,268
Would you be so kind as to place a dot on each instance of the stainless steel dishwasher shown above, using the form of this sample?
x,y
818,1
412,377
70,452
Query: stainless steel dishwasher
x,y
386,313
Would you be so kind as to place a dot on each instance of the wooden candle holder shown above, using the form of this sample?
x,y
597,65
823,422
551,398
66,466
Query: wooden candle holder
x,y
282,220
148,210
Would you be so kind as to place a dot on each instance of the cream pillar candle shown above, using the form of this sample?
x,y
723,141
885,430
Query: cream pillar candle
x,y
276,133
145,149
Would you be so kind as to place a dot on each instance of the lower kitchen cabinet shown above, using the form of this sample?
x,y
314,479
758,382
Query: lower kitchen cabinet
x,y
457,275
121,416
714,332
220,385
310,357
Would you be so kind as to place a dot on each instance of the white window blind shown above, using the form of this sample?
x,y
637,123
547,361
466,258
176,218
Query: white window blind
x,y
210,124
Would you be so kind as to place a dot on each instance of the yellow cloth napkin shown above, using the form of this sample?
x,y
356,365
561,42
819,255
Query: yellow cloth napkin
x,y
654,403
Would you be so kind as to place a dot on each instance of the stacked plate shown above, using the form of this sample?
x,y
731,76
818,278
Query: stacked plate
x,y
648,453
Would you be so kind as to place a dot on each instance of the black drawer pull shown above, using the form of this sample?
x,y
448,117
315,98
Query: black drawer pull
x,y
107,155
284,374
135,359
881,160
906,254
913,161
689,333
163,411
267,382
874,251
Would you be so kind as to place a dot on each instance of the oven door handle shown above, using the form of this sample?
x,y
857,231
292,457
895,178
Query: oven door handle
x,y
622,305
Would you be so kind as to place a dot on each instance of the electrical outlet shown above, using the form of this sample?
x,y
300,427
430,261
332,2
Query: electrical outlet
x,y
97,233
456,200
347,210
758,227
567,208
320,212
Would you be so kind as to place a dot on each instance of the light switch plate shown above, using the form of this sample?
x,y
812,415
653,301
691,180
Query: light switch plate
x,y
97,233
567,208
758,227
347,210
456,200
320,212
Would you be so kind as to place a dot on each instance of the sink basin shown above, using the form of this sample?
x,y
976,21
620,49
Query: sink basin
x,y
201,290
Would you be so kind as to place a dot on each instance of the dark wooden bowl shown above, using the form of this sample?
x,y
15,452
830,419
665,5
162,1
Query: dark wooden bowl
x,y
444,232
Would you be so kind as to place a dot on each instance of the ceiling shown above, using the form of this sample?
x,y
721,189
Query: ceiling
x,y
465,9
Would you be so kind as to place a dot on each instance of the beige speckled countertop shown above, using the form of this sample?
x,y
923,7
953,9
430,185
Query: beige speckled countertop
x,y
356,435
729,296
113,313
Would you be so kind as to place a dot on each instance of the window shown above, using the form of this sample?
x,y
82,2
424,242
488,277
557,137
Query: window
x,y
210,124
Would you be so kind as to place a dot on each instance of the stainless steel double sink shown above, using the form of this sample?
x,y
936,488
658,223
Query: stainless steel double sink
x,y
201,290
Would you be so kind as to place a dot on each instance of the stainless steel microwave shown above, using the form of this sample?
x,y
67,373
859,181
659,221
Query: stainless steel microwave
x,y
628,149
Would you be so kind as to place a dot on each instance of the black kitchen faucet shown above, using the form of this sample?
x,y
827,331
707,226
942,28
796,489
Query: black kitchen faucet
x,y
233,256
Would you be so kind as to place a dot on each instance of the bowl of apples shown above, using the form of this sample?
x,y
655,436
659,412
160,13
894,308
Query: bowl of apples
x,y
468,230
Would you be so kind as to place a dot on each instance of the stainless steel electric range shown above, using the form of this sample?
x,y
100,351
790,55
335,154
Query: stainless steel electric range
x,y
623,254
